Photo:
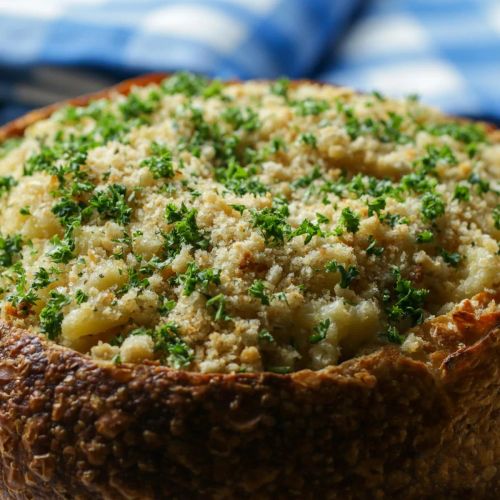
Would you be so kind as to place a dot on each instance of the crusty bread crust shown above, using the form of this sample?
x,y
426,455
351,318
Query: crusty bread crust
x,y
380,425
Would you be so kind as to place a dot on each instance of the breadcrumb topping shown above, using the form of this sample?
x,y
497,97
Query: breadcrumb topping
x,y
244,226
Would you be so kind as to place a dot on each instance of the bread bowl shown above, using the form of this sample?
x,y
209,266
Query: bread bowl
x,y
314,382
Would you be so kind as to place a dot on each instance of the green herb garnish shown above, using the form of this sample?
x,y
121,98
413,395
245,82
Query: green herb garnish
x,y
81,297
310,106
350,220
185,230
195,277
160,162
432,206
51,316
173,350
462,193
265,336
425,236
272,223
218,304
496,217
451,258
406,301
320,331
111,203
7,182
392,335
259,291
10,248
280,87
346,275
309,229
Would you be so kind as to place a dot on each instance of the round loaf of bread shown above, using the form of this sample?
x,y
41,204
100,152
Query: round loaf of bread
x,y
255,289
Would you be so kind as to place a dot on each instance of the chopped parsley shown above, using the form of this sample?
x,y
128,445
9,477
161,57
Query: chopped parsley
x,y
81,297
160,162
173,350
392,335
7,182
418,182
322,219
425,236
309,229
109,126
44,160
320,331
280,87
309,139
432,206
241,118
51,316
435,155
63,160
190,85
468,133
111,203
378,95
136,279
451,258
135,107
195,277
10,248
218,305
350,220
272,223
393,219
307,180
119,339
239,208
23,297
376,205
405,301
185,230
62,249
70,212
346,275
116,360
310,106
496,217
372,248
240,180
259,291
166,306
388,130
462,193
265,336
42,279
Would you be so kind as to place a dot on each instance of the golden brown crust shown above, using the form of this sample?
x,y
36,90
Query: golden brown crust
x,y
381,425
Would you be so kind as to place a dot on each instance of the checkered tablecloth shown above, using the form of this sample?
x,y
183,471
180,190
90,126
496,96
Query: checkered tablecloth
x,y
448,51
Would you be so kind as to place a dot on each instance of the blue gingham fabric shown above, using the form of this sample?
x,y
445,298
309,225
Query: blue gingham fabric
x,y
448,51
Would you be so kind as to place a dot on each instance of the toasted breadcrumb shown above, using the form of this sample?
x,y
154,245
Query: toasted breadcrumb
x,y
244,227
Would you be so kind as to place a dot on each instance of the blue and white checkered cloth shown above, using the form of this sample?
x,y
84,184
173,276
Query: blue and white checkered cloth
x,y
448,51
